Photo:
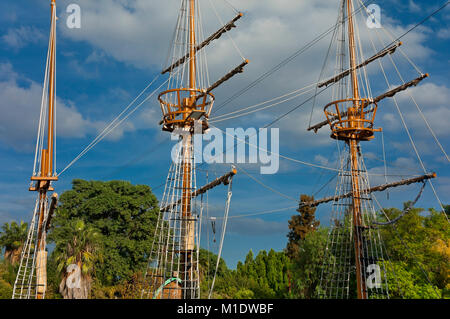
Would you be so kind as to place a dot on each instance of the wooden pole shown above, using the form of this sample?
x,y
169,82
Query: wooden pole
x,y
51,95
187,224
46,167
192,62
378,188
354,113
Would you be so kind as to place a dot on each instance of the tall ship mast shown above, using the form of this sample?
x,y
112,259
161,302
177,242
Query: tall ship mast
x,y
31,279
355,262
186,104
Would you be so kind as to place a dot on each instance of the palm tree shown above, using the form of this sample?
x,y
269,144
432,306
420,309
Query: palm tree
x,y
77,249
12,239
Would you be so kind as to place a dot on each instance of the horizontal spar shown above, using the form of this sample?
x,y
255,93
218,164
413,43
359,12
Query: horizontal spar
x,y
229,75
380,54
225,179
400,88
379,188
220,180
390,93
216,35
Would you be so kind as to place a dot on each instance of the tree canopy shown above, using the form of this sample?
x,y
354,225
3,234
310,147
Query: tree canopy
x,y
12,239
419,248
300,225
124,216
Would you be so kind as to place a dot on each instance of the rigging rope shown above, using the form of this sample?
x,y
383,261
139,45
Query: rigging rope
x,y
224,228
281,64
273,153
115,123
221,118
336,29
43,111
286,157
267,212
384,161
228,34
266,186
406,210
423,21
231,6
390,35
408,132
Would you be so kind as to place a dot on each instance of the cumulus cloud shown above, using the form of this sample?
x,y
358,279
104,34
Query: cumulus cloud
x,y
17,38
414,7
20,107
443,33
432,100
128,31
138,33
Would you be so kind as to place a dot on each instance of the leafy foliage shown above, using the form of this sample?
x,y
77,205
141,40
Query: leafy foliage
x,y
12,239
263,276
7,277
300,225
76,244
418,244
307,264
124,216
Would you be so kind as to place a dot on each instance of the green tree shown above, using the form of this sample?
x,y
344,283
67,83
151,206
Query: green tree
x,y
418,245
76,244
306,264
12,239
7,277
265,275
125,217
207,266
300,225
407,283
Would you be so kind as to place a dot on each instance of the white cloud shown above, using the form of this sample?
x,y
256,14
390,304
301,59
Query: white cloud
x,y
138,33
400,167
414,7
130,32
17,38
432,100
81,70
96,57
20,107
444,33
322,160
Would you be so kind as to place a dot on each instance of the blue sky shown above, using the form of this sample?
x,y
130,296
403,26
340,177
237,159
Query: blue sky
x,y
122,46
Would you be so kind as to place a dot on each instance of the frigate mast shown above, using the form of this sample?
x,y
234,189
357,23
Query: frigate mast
x,y
31,279
355,259
173,270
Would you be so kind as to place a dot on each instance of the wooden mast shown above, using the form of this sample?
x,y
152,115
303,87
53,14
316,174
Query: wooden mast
x,y
353,143
51,95
190,103
192,51
350,122
188,232
46,175
186,102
